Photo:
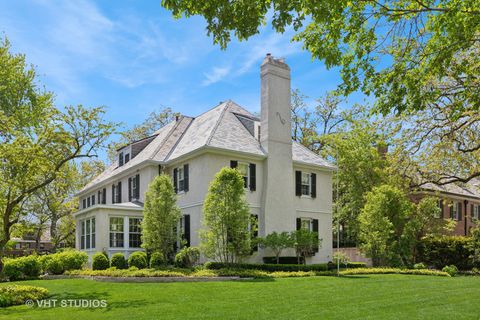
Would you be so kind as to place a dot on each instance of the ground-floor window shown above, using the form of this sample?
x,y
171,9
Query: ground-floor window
x,y
116,232
135,232
87,236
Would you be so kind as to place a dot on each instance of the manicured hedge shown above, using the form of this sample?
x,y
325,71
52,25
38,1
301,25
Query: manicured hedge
x,y
446,250
281,267
282,260
28,267
424,272
13,294
157,260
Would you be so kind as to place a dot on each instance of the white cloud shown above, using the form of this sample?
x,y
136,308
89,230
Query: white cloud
x,y
215,75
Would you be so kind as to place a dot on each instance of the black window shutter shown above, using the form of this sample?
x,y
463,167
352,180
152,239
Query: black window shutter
x,y
119,186
113,194
451,211
459,204
471,211
233,163
254,221
84,203
99,196
104,196
93,200
441,208
313,192
120,159
175,185
253,177
186,229
298,183
88,202
299,223
137,189
130,189
185,177
315,229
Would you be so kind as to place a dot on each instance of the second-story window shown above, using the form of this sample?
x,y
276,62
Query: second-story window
x,y
181,178
305,184
117,192
248,172
134,188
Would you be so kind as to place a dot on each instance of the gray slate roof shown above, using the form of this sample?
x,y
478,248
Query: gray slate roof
x,y
218,128
470,189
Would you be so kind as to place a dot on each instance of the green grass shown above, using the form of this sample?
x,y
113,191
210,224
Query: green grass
x,y
358,297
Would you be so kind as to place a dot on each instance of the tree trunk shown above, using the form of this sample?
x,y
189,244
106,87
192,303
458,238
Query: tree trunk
x,y
53,233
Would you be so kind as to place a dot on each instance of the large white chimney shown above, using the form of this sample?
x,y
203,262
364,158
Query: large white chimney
x,y
276,139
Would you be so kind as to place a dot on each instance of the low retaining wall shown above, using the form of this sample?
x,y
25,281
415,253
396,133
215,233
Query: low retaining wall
x,y
354,255
144,279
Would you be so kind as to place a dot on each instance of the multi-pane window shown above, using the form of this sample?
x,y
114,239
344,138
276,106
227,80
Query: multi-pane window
x,y
134,232
476,211
127,157
93,200
87,236
116,232
456,209
439,213
306,183
181,179
306,224
243,168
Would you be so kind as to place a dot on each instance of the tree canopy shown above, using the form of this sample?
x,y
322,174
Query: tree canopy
x,y
410,54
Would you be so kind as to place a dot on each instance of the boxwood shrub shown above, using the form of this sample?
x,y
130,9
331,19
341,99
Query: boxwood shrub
x,y
100,261
157,260
55,266
138,259
118,261
28,267
187,257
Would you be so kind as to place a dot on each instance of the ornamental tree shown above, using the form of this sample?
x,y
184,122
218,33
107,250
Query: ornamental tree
x,y
161,217
277,242
226,218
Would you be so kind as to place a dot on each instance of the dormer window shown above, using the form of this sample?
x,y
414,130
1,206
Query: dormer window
x,y
127,157
120,159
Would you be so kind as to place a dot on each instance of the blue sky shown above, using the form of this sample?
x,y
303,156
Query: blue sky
x,y
134,58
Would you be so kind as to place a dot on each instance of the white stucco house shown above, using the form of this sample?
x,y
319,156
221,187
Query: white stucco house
x,y
287,186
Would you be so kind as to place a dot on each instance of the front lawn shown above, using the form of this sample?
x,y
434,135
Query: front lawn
x,y
359,297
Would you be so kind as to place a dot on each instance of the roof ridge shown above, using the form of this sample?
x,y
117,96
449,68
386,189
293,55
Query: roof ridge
x,y
210,137
155,151
179,139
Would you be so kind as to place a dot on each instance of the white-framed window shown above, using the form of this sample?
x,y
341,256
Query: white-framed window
x,y
134,232
87,236
439,214
244,169
306,224
456,209
476,211
181,179
306,184
116,232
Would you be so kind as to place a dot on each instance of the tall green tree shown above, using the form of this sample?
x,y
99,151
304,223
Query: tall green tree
x,y
382,225
226,217
161,217
36,139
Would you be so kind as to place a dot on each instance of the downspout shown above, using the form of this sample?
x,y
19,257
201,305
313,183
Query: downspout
x,y
466,208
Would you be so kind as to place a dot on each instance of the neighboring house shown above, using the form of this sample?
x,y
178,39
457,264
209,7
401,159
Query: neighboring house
x,y
287,186
460,202
27,245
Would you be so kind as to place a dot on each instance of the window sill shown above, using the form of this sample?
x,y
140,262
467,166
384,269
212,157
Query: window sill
x,y
305,197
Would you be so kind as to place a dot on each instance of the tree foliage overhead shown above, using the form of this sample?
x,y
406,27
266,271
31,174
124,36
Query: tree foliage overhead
x,y
399,50
37,139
